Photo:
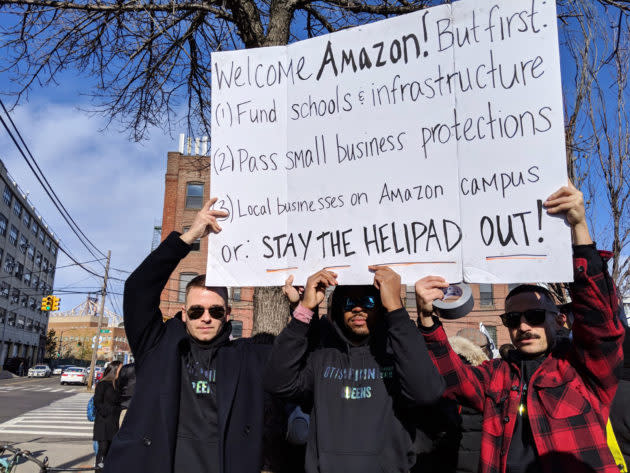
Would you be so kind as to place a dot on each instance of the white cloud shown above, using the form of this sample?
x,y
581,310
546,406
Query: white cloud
x,y
113,188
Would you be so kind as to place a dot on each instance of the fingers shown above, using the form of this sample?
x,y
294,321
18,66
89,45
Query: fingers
x,y
289,281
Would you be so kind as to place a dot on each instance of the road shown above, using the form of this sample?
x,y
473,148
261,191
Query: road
x,y
47,419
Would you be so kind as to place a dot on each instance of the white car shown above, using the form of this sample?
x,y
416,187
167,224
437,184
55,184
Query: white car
x,y
39,371
74,374
59,369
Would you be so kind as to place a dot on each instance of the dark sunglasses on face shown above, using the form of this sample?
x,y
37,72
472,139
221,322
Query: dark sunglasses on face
x,y
196,311
365,302
532,317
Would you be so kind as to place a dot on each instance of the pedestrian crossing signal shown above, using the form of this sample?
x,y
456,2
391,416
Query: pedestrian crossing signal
x,y
47,303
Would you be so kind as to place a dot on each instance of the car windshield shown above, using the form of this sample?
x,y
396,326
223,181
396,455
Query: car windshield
x,y
75,370
40,367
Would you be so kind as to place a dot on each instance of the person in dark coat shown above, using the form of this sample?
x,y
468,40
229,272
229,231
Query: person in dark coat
x,y
198,404
362,382
107,405
126,383
620,410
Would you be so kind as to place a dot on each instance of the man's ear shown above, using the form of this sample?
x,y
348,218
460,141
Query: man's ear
x,y
184,314
561,320
228,311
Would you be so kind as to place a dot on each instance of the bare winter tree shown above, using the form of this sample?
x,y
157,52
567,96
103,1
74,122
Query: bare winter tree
x,y
150,59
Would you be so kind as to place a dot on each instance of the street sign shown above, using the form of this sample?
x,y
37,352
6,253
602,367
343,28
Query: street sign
x,y
104,330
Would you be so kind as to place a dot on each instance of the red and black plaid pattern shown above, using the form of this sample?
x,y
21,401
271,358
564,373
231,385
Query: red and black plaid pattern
x,y
570,394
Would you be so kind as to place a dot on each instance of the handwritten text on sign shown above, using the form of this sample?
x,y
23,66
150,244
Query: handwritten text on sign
x,y
427,141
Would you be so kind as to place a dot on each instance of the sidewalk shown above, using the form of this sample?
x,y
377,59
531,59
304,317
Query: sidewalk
x,y
60,453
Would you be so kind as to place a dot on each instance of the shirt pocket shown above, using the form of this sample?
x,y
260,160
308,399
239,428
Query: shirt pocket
x,y
562,398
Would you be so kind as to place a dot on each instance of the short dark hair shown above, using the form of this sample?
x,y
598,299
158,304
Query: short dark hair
x,y
527,288
200,281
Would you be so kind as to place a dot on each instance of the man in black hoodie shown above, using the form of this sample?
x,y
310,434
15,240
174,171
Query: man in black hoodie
x,y
198,402
364,379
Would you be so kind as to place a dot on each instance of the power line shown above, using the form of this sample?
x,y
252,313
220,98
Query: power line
x,y
50,192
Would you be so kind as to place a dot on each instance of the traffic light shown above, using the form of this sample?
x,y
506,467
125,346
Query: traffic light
x,y
55,303
47,303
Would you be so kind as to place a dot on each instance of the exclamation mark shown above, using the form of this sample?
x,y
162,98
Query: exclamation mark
x,y
424,28
540,207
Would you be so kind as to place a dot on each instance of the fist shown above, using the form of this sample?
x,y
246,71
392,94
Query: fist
x,y
429,289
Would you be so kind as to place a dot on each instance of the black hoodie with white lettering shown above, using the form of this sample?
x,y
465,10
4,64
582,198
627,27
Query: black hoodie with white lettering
x,y
363,394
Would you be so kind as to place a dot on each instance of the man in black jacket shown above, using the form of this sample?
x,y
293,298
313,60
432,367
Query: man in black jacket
x,y
198,402
371,370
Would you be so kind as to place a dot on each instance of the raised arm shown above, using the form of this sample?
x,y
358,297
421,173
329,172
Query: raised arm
x,y
597,331
289,373
464,383
420,381
141,302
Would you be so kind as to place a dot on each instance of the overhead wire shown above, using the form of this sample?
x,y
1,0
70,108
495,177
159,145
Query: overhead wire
x,y
47,187
58,204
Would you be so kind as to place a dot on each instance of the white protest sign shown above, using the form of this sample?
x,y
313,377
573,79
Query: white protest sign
x,y
427,142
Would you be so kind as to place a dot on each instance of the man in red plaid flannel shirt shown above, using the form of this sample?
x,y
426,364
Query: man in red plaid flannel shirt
x,y
544,408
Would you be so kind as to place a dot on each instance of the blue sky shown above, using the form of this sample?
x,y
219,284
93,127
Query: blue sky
x,y
112,187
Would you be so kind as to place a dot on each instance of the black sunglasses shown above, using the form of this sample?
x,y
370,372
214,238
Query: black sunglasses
x,y
196,311
365,302
532,317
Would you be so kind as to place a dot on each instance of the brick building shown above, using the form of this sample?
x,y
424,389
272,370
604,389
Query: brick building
x,y
187,183
76,333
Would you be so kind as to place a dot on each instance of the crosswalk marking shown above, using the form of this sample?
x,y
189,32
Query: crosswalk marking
x,y
63,418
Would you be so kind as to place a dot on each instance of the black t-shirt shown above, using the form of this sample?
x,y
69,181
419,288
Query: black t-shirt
x,y
522,456
197,447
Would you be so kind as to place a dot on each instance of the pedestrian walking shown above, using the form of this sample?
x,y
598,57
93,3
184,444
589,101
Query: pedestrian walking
x,y
107,405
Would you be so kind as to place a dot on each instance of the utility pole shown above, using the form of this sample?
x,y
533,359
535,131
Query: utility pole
x,y
100,324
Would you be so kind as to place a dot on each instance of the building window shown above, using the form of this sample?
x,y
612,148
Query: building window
x,y
19,271
20,322
34,227
35,282
9,264
492,330
15,295
3,225
7,195
485,295
26,219
194,195
4,289
45,266
23,246
13,235
196,245
30,252
17,208
53,249
184,279
27,278
42,286
24,300
47,243
41,235
32,303
11,318
237,329
3,315
236,293
38,259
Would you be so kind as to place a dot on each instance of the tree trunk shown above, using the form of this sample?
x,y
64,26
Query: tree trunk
x,y
271,310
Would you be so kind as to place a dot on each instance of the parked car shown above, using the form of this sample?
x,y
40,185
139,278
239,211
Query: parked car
x,y
59,369
74,374
39,371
